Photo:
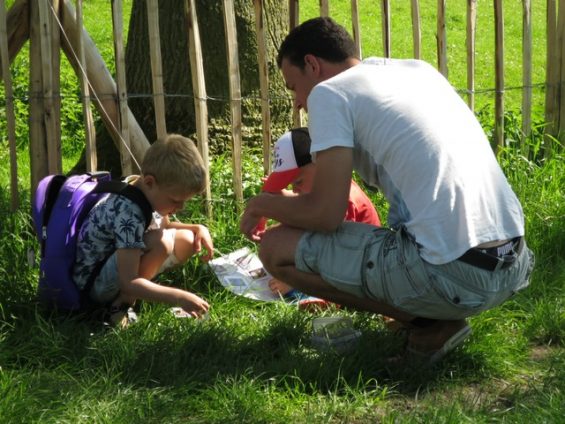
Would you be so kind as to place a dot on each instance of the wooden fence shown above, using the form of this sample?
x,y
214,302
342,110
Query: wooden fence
x,y
52,25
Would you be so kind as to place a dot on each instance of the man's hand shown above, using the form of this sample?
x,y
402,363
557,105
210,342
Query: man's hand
x,y
252,226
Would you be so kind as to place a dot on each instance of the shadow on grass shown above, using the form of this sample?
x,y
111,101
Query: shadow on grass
x,y
265,343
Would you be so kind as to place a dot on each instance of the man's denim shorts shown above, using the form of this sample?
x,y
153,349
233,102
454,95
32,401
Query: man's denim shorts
x,y
385,265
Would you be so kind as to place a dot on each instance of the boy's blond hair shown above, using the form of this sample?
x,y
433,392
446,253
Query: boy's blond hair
x,y
176,164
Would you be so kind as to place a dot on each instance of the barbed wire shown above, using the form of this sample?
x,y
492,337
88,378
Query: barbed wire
x,y
101,96
102,110
98,97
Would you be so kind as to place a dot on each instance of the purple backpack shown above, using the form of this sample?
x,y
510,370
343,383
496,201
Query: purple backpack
x,y
59,208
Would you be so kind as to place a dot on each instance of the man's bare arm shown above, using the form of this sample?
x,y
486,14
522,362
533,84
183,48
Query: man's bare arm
x,y
322,209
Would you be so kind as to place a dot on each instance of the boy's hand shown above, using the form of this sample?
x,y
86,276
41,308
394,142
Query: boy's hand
x,y
202,238
193,304
260,228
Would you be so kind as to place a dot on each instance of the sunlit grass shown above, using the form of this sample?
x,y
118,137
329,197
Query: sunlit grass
x,y
252,362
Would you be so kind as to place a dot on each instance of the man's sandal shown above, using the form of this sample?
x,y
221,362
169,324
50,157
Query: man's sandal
x,y
433,357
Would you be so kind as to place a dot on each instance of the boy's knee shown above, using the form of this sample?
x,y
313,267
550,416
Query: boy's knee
x,y
183,245
159,241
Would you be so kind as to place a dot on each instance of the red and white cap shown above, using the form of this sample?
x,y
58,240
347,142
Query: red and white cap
x,y
291,152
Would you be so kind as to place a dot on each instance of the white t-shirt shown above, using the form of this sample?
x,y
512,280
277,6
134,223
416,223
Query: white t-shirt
x,y
416,139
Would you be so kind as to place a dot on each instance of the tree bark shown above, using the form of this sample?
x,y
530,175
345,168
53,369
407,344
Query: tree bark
x,y
179,103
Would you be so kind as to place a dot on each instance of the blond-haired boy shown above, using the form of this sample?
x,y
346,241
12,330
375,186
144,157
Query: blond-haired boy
x,y
113,238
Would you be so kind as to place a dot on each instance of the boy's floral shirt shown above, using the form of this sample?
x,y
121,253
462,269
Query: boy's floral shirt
x,y
115,222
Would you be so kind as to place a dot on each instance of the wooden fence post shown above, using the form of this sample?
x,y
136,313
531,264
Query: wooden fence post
x,y
526,75
50,87
416,29
499,74
37,136
385,18
441,38
263,84
560,133
551,77
10,115
199,91
156,68
324,8
125,148
356,28
235,95
54,13
89,130
293,22
470,43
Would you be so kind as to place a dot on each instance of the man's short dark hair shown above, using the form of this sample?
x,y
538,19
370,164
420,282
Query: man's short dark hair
x,y
321,37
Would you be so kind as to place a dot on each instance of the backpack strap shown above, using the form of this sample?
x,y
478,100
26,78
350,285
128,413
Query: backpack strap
x,y
52,192
129,191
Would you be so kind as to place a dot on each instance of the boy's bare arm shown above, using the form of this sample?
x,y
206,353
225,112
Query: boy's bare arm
x,y
142,288
134,286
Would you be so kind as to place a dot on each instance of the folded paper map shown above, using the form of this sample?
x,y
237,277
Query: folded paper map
x,y
242,273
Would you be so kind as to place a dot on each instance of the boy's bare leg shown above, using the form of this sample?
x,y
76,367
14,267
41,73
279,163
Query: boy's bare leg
x,y
279,288
184,245
157,247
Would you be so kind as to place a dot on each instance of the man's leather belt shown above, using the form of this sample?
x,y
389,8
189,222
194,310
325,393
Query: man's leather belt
x,y
494,258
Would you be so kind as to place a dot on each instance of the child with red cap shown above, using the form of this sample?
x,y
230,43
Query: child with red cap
x,y
293,166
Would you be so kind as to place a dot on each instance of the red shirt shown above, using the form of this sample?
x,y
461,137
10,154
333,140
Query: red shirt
x,y
360,208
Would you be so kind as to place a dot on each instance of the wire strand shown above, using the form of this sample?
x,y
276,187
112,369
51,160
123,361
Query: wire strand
x,y
85,76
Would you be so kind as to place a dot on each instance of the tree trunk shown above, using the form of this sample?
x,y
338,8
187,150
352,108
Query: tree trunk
x,y
179,103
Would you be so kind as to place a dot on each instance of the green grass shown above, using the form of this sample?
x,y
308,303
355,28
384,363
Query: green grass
x,y
251,362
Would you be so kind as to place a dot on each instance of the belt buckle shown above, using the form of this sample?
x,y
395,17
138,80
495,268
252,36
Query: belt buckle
x,y
505,261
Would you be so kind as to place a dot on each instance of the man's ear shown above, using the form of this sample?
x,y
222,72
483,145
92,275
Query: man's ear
x,y
312,64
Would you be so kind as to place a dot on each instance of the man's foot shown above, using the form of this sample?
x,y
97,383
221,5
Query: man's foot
x,y
431,344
